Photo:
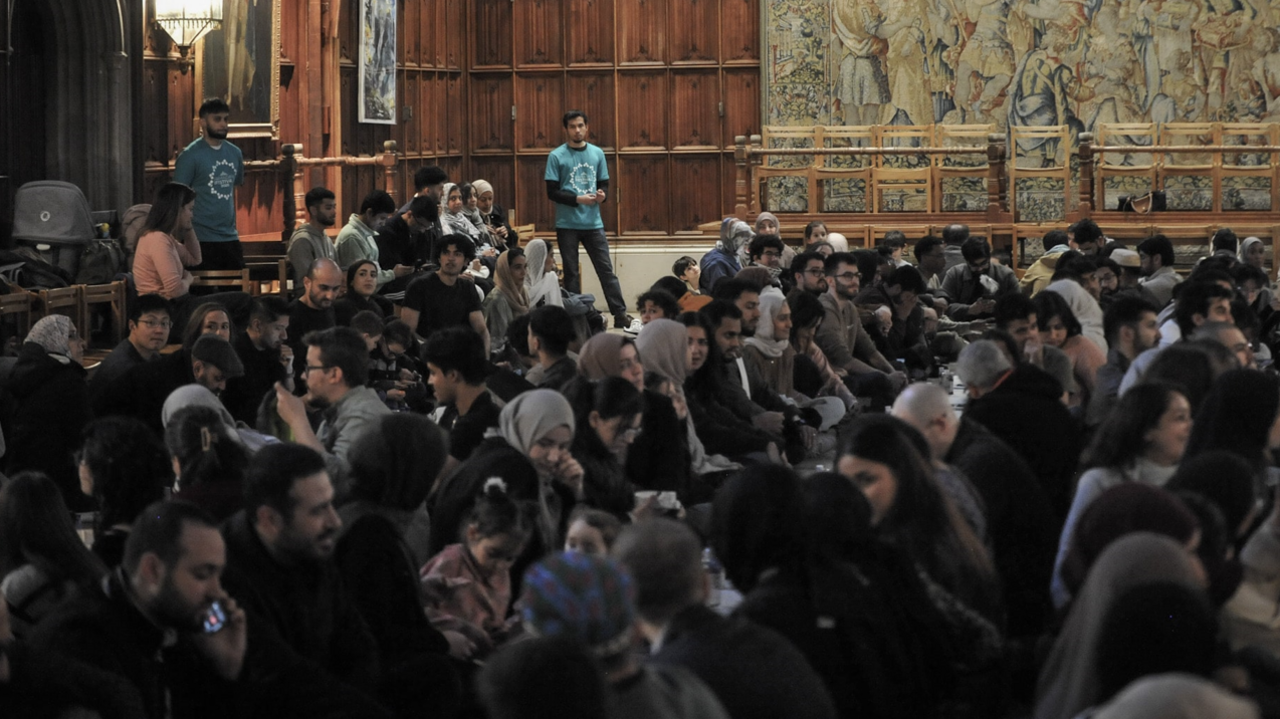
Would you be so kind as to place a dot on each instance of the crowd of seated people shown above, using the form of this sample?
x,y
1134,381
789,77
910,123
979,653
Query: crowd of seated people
x,y
429,484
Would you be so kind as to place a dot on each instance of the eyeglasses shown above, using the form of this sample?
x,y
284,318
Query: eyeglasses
x,y
166,324
815,271
771,254
311,367
847,277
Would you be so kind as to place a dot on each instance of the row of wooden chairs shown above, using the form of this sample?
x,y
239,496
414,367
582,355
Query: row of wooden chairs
x,y
26,307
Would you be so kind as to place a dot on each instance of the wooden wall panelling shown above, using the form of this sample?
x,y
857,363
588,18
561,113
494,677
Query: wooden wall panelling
x,y
453,14
642,31
491,128
740,31
609,212
531,193
728,174
695,37
695,99
590,28
354,134
413,45
540,40
491,34
456,112
453,168
595,94
441,111
741,103
539,107
696,199
644,205
642,110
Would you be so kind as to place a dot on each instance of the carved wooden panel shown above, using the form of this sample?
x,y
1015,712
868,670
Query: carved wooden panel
x,y
455,104
642,110
644,189
354,135
728,175
741,103
155,94
642,31
539,107
440,111
695,97
416,116
695,32
740,30
411,40
540,39
695,196
589,26
491,127
609,211
453,17
532,203
594,94
491,39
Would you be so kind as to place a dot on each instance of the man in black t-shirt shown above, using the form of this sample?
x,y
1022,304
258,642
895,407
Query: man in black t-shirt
x,y
456,360
266,356
313,311
443,298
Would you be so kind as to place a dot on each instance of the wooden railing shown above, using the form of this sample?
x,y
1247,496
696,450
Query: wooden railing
x,y
293,163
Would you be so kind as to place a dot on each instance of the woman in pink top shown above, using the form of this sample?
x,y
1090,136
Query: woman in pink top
x,y
160,262
1060,328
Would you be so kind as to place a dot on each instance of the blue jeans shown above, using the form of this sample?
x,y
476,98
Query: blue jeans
x,y
598,250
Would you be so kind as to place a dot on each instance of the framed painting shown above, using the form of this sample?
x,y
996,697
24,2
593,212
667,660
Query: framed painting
x,y
377,71
240,62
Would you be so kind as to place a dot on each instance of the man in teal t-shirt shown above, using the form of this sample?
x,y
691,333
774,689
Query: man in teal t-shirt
x,y
214,168
577,179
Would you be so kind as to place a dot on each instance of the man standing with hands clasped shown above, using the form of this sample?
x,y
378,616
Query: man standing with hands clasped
x,y
577,179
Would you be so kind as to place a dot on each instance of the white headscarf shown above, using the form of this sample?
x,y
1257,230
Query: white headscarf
x,y
543,287
53,333
1244,247
771,301
838,241
531,415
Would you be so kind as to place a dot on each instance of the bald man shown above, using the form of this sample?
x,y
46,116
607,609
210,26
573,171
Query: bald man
x,y
1020,524
313,310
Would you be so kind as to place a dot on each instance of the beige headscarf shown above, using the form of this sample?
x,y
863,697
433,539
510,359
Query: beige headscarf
x,y
531,415
771,301
598,358
517,295
664,348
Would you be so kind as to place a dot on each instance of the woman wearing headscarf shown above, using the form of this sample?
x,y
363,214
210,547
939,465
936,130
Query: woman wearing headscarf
x,y
453,218
49,407
508,300
722,260
774,359
659,458
531,454
1068,682
767,223
541,281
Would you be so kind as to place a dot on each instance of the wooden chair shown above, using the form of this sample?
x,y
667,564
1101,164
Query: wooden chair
x,y
18,304
67,301
946,167
1247,164
907,174
230,279
113,295
1052,143
787,165
1191,164
847,167
1136,164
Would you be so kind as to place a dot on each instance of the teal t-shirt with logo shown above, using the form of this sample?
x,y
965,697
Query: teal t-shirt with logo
x,y
577,171
214,174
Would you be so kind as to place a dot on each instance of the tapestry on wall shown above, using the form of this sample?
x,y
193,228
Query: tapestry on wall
x,y
377,87
1076,63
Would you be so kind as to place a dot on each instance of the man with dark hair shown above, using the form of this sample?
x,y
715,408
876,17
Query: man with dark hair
x,y
551,331
337,368
279,563
974,286
358,239
1056,244
846,344
894,242
444,298
754,671
1085,236
312,311
931,260
1198,303
409,237
953,236
577,180
766,251
657,304
309,241
149,324
809,274
456,360
1131,327
1225,244
1158,275
214,168
901,293
1015,314
142,391
267,358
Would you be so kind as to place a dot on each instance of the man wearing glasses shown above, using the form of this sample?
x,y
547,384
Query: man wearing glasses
x,y
846,344
149,326
974,286
808,273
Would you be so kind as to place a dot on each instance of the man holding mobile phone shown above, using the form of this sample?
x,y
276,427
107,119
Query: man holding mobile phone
x,y
578,181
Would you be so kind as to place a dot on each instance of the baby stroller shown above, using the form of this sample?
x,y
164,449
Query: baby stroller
x,y
52,222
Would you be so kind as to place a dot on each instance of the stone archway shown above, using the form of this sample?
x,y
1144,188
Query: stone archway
x,y
83,68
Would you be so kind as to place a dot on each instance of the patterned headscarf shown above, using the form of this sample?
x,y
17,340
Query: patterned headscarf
x,y
734,234
586,598
53,333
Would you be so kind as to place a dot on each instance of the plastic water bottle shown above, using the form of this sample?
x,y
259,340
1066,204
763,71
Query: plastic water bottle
x,y
715,576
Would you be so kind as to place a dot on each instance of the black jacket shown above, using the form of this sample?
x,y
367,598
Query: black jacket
x,y
754,671
1026,411
262,369
307,606
48,412
141,391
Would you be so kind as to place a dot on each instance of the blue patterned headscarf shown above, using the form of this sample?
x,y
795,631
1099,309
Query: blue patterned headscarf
x,y
589,599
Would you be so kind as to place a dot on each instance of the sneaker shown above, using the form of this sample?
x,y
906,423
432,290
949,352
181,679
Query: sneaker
x,y
634,328
623,321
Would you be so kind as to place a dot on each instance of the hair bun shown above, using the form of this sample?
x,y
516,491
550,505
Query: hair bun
x,y
495,483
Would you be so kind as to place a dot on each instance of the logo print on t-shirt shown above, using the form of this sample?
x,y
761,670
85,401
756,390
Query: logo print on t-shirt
x,y
222,179
582,178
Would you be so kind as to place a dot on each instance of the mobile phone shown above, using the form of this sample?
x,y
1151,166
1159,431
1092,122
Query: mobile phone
x,y
215,619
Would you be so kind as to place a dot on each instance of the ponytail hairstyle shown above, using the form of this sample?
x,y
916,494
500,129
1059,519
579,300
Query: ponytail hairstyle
x,y
495,513
199,439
